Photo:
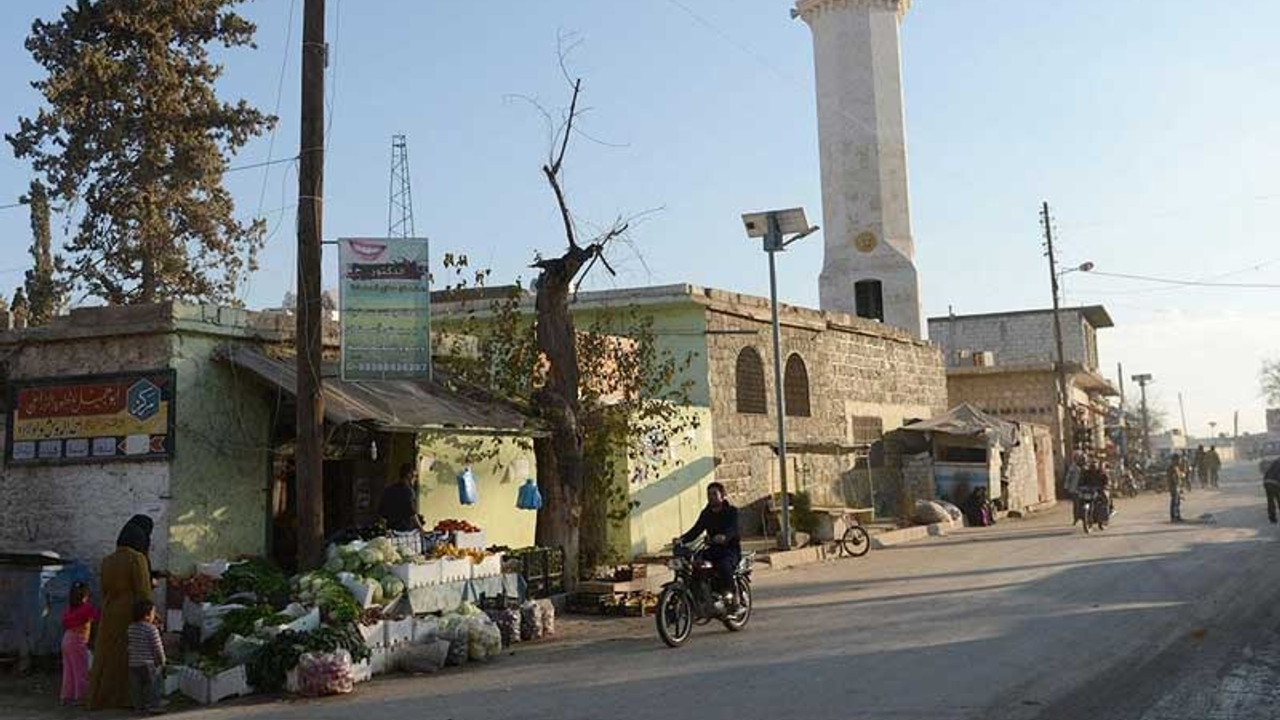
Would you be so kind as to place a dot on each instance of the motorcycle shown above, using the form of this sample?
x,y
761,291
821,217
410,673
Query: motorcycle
x,y
1094,508
690,600
1129,485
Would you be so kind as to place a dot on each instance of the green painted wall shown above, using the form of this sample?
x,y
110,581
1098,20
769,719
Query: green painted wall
x,y
218,477
500,466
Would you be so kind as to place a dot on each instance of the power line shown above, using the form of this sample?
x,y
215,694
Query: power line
x,y
1186,283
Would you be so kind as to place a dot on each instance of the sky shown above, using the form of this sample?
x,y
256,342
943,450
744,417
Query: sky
x,y
1149,128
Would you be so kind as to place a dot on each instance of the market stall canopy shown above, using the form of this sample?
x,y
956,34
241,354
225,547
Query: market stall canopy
x,y
391,405
965,420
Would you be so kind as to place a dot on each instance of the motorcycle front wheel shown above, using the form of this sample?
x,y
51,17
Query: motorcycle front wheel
x,y
674,616
855,542
1087,517
739,619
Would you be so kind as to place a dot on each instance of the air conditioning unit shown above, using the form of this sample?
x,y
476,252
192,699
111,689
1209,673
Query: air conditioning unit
x,y
986,358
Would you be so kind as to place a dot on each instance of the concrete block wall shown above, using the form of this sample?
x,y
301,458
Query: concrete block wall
x,y
1016,338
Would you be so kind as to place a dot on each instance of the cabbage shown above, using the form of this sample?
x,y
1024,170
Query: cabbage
x,y
393,586
378,595
351,562
334,564
382,546
370,556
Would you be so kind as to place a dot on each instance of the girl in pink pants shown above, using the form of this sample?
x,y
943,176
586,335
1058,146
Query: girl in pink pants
x,y
77,623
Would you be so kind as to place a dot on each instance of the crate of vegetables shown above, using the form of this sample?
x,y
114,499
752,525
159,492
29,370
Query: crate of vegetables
x,y
208,688
462,533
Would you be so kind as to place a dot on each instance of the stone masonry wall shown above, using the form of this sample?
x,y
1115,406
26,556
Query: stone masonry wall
x,y
856,368
1016,338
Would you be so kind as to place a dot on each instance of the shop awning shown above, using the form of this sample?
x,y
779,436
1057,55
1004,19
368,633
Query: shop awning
x,y
965,420
390,405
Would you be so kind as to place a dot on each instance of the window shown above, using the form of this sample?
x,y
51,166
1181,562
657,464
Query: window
x,y
795,387
865,430
749,380
868,299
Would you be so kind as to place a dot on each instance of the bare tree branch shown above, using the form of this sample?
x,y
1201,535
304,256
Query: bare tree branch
x,y
568,128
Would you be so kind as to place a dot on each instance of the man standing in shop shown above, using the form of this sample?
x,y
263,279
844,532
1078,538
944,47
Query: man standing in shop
x,y
399,504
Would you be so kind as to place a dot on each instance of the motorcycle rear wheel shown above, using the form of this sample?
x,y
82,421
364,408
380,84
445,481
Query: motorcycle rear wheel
x,y
674,617
739,620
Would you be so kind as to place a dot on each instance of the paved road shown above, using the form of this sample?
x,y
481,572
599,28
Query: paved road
x,y
1029,619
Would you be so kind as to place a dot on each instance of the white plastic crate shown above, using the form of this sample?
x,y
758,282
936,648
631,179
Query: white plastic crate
x,y
399,631
381,661
489,567
374,635
209,689
469,541
173,621
425,628
453,570
362,671
416,575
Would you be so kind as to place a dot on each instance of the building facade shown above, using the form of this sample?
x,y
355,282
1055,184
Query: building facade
x,y
1004,363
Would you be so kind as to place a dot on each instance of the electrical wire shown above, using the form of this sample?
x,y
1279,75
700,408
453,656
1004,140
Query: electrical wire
x,y
1184,283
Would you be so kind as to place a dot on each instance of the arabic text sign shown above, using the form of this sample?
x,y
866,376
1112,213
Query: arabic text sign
x,y
91,419
386,306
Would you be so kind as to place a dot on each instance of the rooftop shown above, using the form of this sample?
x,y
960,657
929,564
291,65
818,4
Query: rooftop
x,y
1097,315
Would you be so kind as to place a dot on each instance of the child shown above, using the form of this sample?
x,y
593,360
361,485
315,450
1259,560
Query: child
x,y
146,657
77,622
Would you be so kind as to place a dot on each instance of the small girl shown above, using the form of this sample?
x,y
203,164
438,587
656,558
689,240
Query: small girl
x,y
77,622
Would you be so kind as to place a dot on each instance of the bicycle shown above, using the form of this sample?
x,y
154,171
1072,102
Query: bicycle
x,y
856,541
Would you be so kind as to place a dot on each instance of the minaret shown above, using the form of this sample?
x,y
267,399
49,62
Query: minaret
x,y
868,264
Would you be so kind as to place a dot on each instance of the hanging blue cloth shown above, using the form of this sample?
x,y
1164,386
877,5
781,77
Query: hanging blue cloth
x,y
529,497
467,494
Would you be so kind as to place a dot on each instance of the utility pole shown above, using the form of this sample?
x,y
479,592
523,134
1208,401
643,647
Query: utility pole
x,y
1142,381
1067,424
309,450
1235,433
1124,420
1182,412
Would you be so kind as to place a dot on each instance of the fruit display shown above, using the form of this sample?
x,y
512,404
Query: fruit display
x,y
453,526
447,550
195,588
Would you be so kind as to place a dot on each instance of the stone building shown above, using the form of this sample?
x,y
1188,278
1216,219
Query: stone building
x,y
1004,364
847,381
185,413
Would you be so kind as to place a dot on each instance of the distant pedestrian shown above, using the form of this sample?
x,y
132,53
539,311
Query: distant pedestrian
x,y
1201,467
1071,485
77,624
1271,483
1215,465
1175,476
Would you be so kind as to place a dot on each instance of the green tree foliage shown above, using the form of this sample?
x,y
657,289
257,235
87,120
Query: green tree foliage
x,y
134,137
44,292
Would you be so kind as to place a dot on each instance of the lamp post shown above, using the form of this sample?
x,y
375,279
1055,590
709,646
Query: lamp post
x,y
1142,381
773,227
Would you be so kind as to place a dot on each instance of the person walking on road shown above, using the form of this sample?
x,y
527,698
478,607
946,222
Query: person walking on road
x,y
1215,465
1071,485
1175,476
1271,483
1200,466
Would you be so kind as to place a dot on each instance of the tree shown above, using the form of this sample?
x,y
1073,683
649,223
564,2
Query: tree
x,y
1269,377
44,292
20,308
135,135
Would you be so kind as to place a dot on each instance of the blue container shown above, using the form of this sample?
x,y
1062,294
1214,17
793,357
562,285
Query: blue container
x,y
33,595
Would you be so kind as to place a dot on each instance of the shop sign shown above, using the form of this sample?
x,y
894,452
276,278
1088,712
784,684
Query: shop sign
x,y
97,418
385,308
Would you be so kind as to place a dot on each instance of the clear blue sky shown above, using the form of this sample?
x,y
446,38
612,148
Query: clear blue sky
x,y
1149,126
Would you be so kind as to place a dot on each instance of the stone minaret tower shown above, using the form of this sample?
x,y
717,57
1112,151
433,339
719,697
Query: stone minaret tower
x,y
869,260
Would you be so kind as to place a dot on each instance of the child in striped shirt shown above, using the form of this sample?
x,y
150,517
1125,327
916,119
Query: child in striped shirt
x,y
146,657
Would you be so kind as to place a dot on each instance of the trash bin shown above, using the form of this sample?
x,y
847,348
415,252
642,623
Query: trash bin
x,y
33,595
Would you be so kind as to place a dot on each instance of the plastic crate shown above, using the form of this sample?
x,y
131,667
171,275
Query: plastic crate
x,y
374,635
416,575
453,570
209,689
542,570
399,631
489,567
469,541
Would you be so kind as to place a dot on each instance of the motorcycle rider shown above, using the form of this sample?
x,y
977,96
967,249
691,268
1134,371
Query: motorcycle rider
x,y
1096,477
719,520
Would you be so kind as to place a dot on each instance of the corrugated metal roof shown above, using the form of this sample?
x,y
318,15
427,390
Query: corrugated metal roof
x,y
389,404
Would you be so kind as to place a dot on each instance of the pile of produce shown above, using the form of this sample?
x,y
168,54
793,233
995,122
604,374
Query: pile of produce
x,y
255,577
447,550
368,563
453,526
508,622
328,673
469,627
196,588
322,589
268,668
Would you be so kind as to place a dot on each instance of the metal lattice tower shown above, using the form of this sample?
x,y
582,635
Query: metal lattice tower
x,y
400,206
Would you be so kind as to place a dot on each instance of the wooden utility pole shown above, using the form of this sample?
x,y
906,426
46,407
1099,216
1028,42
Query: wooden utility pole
x,y
1067,423
309,450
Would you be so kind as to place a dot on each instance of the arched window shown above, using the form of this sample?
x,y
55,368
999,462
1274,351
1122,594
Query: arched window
x,y
749,380
868,299
795,387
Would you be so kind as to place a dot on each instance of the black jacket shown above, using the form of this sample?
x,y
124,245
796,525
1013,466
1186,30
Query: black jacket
x,y
721,522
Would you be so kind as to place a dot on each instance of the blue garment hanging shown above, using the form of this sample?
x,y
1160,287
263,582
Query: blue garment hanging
x,y
467,494
529,497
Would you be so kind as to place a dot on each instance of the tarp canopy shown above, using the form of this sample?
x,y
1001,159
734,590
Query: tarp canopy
x,y
393,405
965,420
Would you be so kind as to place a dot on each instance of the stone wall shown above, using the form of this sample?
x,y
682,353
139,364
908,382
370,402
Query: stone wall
x,y
856,368
1016,338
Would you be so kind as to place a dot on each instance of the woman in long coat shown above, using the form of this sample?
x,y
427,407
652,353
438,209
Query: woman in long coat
x,y
126,579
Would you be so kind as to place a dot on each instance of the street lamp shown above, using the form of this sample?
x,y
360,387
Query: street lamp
x,y
1082,267
773,227
1142,381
